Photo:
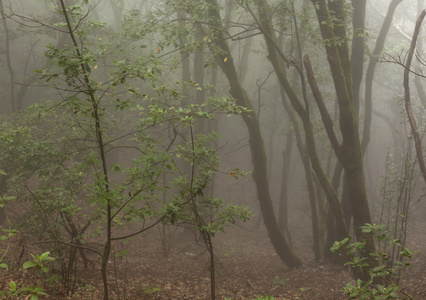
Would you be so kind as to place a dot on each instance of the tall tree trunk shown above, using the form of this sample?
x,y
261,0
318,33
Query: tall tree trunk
x,y
349,152
283,204
276,57
407,97
358,42
13,103
331,224
259,160
89,91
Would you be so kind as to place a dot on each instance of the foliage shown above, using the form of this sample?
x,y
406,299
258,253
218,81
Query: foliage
x,y
37,266
108,151
385,276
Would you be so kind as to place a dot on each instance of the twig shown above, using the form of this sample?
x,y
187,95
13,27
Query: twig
x,y
69,244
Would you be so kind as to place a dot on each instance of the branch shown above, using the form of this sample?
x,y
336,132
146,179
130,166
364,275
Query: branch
x,y
394,25
402,61
378,48
71,245
326,119
140,231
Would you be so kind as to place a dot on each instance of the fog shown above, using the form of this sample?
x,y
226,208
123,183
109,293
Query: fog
x,y
211,149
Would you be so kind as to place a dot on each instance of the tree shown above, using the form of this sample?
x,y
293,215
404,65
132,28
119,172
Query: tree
x,y
332,23
224,59
78,183
407,96
278,59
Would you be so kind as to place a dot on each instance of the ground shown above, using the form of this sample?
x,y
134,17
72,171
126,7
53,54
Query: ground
x,y
247,267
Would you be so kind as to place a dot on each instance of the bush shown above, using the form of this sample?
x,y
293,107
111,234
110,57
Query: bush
x,y
385,275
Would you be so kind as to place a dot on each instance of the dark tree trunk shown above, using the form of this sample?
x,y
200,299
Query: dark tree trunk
x,y
358,42
276,57
259,160
349,152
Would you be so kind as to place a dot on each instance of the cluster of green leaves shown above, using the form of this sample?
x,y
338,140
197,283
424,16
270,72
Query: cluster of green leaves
x,y
191,190
385,274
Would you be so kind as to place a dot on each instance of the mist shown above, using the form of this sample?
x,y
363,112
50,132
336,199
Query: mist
x,y
217,149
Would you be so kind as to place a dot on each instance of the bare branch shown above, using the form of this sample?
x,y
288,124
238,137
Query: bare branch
x,y
71,245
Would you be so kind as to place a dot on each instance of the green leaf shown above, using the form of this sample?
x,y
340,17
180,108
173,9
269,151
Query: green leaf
x,y
2,172
44,255
28,264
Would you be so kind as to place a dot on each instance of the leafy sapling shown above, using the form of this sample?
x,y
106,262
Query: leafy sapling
x,y
385,275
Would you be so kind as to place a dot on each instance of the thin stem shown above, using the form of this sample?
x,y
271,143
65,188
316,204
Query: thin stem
x,y
90,91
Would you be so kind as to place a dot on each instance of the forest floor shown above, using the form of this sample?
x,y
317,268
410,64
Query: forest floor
x,y
247,267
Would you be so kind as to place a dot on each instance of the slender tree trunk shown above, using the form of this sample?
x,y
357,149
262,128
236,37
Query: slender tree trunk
x,y
259,160
407,97
358,42
378,48
346,202
242,66
13,103
89,91
331,223
417,80
283,204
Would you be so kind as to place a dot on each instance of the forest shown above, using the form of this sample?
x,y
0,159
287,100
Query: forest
x,y
212,149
